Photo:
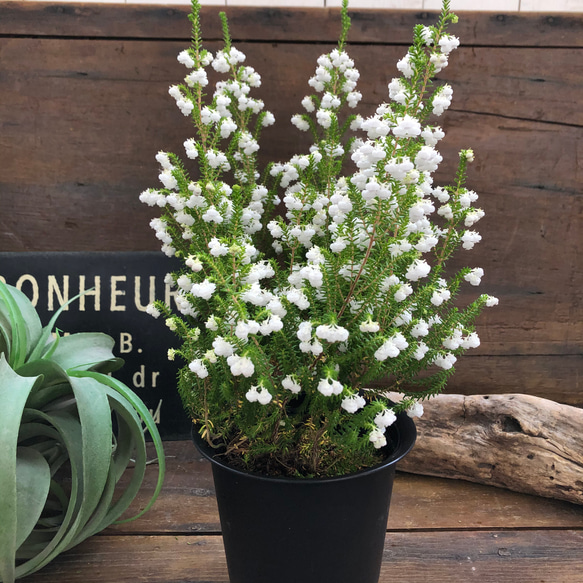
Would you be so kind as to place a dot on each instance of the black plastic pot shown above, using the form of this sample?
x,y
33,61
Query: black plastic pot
x,y
288,530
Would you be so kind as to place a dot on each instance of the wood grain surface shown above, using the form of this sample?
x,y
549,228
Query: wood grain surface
x,y
84,109
442,530
442,557
74,19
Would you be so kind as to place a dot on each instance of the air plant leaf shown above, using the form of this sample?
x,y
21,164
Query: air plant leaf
x,y
33,479
14,391
45,335
132,405
69,430
51,371
5,331
96,431
25,325
85,351
56,408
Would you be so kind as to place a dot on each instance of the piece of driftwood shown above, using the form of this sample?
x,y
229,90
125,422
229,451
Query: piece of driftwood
x,y
519,442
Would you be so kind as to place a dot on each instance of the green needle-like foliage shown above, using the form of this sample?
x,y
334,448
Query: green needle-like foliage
x,y
305,282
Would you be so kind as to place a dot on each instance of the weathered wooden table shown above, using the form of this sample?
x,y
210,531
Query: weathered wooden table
x,y
443,531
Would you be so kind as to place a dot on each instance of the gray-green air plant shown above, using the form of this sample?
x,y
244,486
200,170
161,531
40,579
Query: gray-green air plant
x,y
61,455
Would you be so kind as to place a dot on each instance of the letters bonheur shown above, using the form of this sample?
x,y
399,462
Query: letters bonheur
x,y
106,294
111,293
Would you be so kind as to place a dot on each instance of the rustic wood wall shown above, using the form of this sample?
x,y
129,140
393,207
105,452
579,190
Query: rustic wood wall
x,y
84,109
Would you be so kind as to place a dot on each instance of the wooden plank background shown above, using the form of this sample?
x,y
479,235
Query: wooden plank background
x,y
84,109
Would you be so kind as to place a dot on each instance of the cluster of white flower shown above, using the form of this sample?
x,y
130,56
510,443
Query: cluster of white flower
x,y
353,403
442,100
332,333
258,394
290,383
369,326
392,347
386,418
184,104
382,420
358,282
439,55
218,117
441,294
240,365
329,386
474,277
336,66
307,342
418,270
203,290
153,197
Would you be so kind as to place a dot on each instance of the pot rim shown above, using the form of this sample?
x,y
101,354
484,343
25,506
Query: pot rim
x,y
403,430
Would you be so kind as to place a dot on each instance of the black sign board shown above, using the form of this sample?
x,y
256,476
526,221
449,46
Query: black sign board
x,y
121,286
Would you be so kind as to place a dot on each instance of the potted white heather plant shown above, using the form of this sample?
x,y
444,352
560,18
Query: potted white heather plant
x,y
286,318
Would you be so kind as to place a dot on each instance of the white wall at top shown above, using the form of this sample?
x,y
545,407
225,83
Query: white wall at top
x,y
485,5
